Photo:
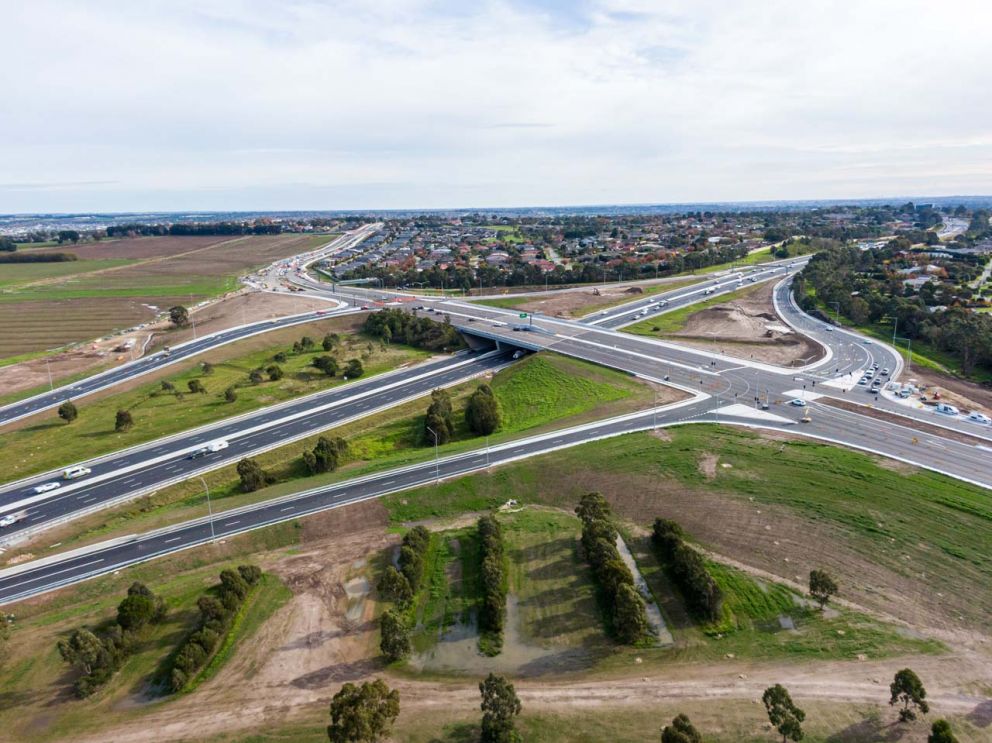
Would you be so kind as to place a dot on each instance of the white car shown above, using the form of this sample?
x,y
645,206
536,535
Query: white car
x,y
976,417
798,403
46,486
73,472
8,520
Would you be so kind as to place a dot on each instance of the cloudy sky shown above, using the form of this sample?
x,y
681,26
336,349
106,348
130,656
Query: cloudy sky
x,y
121,105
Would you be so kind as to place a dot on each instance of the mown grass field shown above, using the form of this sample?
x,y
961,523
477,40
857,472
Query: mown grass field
x,y
117,284
53,443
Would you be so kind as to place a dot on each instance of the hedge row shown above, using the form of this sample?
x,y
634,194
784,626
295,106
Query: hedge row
x,y
38,257
215,620
599,542
687,570
492,613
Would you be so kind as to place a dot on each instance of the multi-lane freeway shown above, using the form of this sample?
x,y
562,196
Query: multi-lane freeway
x,y
813,400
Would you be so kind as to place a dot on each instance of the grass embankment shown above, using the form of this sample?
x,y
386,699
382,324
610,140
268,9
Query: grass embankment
x,y
535,394
36,677
907,524
674,321
53,443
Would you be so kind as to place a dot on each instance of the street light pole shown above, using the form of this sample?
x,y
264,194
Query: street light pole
x,y
213,534
437,462
51,386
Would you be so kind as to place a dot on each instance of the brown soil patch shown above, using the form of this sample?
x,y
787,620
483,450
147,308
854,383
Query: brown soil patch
x,y
707,465
960,392
748,327
580,302
139,248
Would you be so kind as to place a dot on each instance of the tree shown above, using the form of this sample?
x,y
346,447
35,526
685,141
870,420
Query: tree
x,y
482,413
500,705
68,412
907,689
363,714
326,364
592,507
252,475
395,637
68,236
255,376
681,731
438,426
195,385
783,714
179,316
231,394
394,585
941,733
354,369
82,649
629,617
168,386
821,587
306,343
325,455
7,245
274,371
330,341
280,358
135,611
207,368
123,421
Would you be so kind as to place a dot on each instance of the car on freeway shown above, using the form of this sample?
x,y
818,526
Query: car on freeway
x,y
46,486
12,518
867,342
211,448
975,417
797,403
74,472
945,409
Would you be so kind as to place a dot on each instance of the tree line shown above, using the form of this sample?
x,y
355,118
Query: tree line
x,y
98,655
483,415
492,609
216,616
420,332
686,568
38,257
185,229
614,579
400,584
857,284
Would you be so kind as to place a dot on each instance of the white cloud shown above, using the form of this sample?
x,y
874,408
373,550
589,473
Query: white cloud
x,y
422,103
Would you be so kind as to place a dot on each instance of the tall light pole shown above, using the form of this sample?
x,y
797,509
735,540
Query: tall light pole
x,y
210,513
51,386
437,462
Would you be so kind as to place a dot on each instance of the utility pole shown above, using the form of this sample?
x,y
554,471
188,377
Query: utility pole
x,y
437,462
210,512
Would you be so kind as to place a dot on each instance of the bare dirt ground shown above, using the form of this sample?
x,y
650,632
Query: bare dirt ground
x,y
287,673
960,392
748,327
229,311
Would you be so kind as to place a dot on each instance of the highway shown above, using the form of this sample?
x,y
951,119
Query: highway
x,y
142,469
724,389
76,390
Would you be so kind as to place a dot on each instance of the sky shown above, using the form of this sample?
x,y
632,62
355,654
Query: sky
x,y
132,105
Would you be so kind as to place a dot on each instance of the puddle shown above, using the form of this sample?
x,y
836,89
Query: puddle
x,y
457,651
357,589
655,620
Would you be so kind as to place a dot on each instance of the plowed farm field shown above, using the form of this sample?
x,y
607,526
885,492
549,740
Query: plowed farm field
x,y
117,284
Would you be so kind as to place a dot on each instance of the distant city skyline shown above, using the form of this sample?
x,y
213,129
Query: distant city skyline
x,y
245,105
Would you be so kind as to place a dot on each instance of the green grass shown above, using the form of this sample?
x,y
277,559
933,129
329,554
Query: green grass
x,y
53,443
909,523
518,301
546,387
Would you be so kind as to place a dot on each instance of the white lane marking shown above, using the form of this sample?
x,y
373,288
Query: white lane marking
x,y
232,523
287,508
174,539
57,572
